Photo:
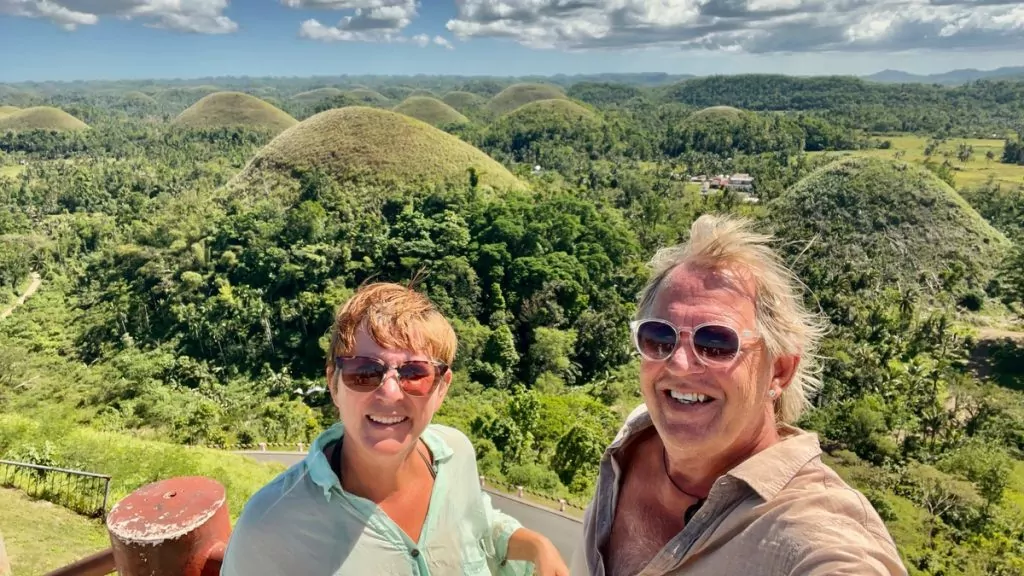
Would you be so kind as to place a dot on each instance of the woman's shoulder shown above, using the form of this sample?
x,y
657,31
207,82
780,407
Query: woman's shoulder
x,y
453,437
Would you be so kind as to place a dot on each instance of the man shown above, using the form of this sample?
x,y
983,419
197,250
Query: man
x,y
708,477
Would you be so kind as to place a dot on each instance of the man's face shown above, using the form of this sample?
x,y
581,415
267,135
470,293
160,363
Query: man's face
x,y
734,416
369,417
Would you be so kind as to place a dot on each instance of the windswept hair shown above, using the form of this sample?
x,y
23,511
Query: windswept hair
x,y
395,316
720,242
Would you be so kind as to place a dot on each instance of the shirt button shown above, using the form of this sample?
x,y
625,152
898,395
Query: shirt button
x,y
415,552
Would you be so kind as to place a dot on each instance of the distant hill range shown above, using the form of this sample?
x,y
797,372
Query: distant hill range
x,y
951,78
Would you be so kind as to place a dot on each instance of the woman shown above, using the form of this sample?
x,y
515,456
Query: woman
x,y
384,491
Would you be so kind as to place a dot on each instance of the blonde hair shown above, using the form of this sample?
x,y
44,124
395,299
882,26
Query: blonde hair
x,y
787,327
395,316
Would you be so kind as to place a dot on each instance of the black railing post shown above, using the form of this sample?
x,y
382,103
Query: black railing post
x,y
106,494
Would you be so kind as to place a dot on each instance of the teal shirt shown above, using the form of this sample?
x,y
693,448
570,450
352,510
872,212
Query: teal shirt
x,y
304,522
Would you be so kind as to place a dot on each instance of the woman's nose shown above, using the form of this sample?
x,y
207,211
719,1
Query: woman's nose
x,y
391,387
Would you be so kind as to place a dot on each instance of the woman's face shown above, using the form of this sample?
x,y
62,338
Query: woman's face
x,y
386,421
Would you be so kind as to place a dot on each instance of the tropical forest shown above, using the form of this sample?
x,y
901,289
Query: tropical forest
x,y
173,252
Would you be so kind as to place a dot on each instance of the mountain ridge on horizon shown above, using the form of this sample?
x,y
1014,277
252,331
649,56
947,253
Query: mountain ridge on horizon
x,y
950,78
649,78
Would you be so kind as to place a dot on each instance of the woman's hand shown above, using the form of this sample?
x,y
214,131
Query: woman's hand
x,y
548,562
530,546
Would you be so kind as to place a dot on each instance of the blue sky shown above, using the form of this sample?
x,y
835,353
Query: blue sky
x,y
112,39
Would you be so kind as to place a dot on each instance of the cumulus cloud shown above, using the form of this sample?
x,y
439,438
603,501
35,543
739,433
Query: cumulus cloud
x,y
370,21
442,41
314,30
755,26
199,16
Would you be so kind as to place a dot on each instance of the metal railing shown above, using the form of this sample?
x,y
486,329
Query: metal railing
x,y
83,492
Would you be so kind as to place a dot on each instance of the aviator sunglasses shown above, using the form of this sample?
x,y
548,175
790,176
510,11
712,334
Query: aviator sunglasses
x,y
714,345
366,374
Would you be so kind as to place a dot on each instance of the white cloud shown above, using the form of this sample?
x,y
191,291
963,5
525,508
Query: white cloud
x,y
314,30
442,41
199,16
393,18
753,26
344,4
370,21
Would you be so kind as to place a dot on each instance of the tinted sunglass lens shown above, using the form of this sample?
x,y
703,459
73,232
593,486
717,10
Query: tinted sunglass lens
x,y
656,340
361,374
417,377
716,343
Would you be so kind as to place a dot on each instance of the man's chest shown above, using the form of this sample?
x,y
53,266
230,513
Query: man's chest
x,y
640,529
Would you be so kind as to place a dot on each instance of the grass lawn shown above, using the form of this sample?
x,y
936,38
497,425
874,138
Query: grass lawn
x,y
10,171
40,536
975,171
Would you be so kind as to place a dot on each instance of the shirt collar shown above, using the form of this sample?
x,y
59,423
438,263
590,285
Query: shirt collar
x,y
766,472
319,467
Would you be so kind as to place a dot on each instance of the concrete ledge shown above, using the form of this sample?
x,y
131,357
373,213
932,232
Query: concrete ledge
x,y
531,504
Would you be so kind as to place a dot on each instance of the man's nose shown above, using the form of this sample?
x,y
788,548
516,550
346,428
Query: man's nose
x,y
682,360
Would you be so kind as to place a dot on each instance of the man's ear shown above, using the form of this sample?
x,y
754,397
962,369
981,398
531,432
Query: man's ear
x,y
783,370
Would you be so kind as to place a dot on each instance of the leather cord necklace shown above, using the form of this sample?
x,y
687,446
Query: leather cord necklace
x,y
692,510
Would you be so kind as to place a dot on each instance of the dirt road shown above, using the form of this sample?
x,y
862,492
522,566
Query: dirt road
x,y
32,287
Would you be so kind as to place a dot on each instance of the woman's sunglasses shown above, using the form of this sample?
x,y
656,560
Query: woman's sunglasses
x,y
366,374
714,345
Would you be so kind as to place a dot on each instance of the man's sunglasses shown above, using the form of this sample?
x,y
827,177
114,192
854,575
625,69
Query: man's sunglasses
x,y
714,345
366,374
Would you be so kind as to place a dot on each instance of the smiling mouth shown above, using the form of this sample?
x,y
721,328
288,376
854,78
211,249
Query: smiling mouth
x,y
689,398
387,420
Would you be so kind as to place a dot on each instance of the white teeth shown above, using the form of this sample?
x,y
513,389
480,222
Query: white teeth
x,y
688,397
387,420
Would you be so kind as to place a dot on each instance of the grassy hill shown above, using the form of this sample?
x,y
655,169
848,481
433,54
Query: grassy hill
x,y
555,110
317,95
138,97
421,93
889,216
463,101
229,109
41,118
368,96
377,146
517,95
8,110
714,112
430,110
186,95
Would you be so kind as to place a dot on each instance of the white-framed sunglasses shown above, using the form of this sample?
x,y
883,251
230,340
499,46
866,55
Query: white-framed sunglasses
x,y
714,344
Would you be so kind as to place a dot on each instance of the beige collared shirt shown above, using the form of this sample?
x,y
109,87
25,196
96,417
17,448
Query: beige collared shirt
x,y
781,512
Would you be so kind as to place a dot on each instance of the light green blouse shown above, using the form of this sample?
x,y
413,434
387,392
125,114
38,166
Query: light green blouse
x,y
304,522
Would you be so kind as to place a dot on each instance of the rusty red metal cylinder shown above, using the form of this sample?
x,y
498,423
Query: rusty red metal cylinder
x,y
178,526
